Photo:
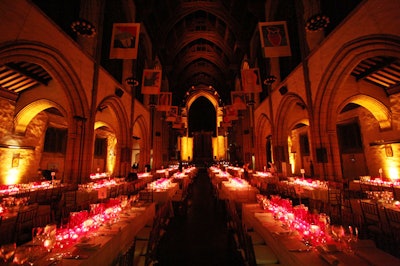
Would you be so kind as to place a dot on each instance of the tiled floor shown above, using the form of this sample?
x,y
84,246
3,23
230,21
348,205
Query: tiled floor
x,y
200,237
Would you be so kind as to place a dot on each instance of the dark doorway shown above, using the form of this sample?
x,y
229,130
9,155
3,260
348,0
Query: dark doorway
x,y
202,116
202,146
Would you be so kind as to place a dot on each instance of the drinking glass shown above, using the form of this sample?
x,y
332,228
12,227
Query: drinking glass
x,y
7,251
21,255
50,237
49,242
37,235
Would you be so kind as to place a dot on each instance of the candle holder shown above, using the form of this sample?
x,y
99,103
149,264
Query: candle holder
x,y
84,28
302,171
317,22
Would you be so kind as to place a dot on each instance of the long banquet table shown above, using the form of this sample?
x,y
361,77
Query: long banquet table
x,y
290,250
355,185
107,243
164,195
243,193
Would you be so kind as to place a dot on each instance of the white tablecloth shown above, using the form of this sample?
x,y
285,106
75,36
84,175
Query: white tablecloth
x,y
284,244
112,241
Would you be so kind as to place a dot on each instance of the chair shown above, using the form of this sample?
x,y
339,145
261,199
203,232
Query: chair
x,y
347,214
258,254
145,249
271,189
113,192
32,197
146,195
126,259
25,223
70,199
7,230
371,219
393,219
316,205
41,196
334,204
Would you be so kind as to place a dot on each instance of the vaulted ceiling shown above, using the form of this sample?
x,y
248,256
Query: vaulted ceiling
x,y
200,42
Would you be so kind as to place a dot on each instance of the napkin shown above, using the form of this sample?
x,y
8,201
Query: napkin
x,y
88,246
330,259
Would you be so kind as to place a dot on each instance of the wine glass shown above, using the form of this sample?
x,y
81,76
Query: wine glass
x,y
21,255
7,251
50,237
351,237
49,242
37,235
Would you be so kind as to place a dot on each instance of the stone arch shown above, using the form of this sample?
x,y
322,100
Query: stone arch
x,y
212,97
59,68
141,130
122,127
199,94
75,108
25,116
99,124
379,110
263,123
287,105
290,111
346,59
327,104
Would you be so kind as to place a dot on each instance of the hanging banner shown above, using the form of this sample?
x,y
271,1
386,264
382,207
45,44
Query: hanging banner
x,y
274,39
238,99
251,81
230,114
172,114
164,101
151,82
124,40
225,125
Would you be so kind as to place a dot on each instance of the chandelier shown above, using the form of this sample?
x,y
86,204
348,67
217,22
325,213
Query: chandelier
x,y
317,22
83,27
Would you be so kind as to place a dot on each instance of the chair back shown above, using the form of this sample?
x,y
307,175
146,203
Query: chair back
x,y
371,213
25,223
146,195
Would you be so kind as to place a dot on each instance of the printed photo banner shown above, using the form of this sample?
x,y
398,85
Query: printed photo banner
x,y
225,125
251,81
274,39
151,82
172,114
238,99
164,101
124,40
230,114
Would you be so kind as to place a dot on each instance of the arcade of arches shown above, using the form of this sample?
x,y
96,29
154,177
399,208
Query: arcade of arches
x,y
333,115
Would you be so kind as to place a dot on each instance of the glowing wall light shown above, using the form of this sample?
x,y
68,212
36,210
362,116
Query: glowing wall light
x,y
393,173
219,147
12,177
186,146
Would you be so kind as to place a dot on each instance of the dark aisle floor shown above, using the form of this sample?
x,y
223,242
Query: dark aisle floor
x,y
201,236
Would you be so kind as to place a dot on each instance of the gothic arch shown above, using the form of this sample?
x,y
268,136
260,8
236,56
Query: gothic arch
x,y
57,66
346,59
122,127
25,116
327,103
142,132
262,130
379,110
286,107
